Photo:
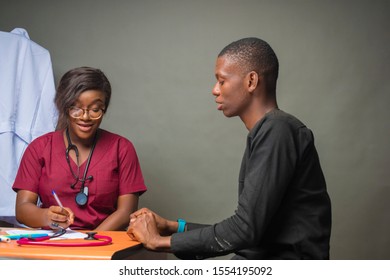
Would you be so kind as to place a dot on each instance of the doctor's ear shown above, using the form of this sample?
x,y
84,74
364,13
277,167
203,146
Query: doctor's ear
x,y
253,81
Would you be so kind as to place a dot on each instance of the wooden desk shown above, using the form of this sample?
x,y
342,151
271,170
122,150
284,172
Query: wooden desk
x,y
120,248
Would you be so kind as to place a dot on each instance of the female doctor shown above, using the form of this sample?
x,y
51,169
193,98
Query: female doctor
x,y
94,173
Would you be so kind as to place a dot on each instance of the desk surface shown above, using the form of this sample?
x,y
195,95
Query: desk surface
x,y
120,248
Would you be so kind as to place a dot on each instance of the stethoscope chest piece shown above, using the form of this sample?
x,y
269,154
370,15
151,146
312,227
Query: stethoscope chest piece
x,y
82,197
91,235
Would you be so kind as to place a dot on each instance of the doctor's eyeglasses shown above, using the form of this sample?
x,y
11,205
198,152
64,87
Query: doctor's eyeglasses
x,y
78,113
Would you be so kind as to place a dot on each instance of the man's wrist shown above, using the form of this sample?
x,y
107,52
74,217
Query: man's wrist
x,y
171,227
161,243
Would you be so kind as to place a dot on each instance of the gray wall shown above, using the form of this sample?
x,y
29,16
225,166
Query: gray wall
x,y
160,55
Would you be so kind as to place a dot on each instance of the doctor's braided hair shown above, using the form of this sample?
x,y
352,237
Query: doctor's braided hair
x,y
72,84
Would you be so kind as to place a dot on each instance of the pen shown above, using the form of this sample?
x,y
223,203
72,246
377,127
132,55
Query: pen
x,y
57,199
4,238
18,236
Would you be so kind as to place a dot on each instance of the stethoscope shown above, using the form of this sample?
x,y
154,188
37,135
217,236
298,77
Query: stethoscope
x,y
82,195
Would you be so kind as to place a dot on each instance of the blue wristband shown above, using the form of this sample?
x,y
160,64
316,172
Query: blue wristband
x,y
182,225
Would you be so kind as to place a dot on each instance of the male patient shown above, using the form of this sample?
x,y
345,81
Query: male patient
x,y
283,211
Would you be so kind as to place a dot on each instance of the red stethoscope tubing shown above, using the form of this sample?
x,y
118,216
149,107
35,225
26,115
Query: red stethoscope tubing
x,y
101,241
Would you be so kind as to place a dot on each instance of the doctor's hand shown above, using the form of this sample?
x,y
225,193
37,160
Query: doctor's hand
x,y
59,216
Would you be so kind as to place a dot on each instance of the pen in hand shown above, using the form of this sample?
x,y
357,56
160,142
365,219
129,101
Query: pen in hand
x,y
58,200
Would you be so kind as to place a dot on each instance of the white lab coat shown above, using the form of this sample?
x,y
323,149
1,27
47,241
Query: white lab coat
x,y
27,108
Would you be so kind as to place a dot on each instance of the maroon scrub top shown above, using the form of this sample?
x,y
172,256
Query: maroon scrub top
x,y
114,166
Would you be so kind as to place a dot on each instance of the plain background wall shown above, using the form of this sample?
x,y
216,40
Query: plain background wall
x,y
160,55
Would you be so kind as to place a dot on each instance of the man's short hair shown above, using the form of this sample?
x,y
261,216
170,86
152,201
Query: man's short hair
x,y
254,54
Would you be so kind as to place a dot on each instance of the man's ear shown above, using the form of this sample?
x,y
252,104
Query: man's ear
x,y
253,81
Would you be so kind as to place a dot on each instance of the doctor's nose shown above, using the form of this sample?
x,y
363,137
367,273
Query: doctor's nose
x,y
85,115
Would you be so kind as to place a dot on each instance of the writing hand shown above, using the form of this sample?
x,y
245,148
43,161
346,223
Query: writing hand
x,y
63,216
